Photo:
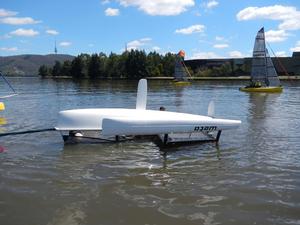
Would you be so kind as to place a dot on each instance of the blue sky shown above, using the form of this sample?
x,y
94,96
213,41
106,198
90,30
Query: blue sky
x,y
202,28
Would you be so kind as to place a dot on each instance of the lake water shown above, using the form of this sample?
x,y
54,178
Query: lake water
x,y
252,177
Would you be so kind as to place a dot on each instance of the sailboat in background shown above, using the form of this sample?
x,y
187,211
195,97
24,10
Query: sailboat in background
x,y
264,77
181,72
2,105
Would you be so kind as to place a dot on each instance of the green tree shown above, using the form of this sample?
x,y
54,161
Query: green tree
x,y
66,68
94,67
135,65
168,64
44,71
114,66
56,70
154,64
77,67
103,62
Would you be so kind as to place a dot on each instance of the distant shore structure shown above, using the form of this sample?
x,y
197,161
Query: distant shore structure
x,y
234,67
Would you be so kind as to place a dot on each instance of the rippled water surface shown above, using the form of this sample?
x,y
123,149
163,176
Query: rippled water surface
x,y
252,177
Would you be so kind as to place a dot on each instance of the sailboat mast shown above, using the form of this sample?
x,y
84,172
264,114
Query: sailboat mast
x,y
265,56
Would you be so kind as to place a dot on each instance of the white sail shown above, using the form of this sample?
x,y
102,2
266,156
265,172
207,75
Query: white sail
x,y
272,77
263,70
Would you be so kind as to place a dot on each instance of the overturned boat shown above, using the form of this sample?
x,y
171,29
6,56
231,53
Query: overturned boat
x,y
115,124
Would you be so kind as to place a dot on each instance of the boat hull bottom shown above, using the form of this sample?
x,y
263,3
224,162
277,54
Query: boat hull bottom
x,y
166,141
163,141
262,89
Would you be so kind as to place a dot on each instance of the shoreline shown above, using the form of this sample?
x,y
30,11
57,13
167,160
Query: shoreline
x,y
239,78
223,78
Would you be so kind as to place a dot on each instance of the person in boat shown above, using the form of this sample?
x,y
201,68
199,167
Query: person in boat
x,y
254,84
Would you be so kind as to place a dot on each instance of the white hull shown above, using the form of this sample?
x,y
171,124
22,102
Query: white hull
x,y
139,122
114,122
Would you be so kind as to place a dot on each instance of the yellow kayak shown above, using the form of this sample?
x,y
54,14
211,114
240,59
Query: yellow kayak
x,y
262,89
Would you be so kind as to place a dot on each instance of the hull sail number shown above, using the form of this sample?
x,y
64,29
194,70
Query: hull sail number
x,y
205,128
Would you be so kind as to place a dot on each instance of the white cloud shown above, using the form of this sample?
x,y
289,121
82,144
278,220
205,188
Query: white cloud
x,y
160,7
210,4
288,15
296,48
280,54
136,44
276,35
156,48
4,13
206,55
221,46
18,20
219,38
65,44
197,14
24,32
11,49
112,12
104,2
198,28
52,32
235,54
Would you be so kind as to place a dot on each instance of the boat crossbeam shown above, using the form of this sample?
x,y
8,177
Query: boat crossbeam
x,y
166,140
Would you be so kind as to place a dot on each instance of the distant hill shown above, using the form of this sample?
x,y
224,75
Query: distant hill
x,y
28,65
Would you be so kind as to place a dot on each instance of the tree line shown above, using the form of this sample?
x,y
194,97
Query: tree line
x,y
134,64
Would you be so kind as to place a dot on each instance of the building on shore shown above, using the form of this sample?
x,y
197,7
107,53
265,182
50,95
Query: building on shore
x,y
285,66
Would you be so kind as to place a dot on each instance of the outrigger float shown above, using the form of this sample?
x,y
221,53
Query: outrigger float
x,y
119,124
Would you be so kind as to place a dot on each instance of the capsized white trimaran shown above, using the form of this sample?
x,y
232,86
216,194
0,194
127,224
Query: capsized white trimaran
x,y
120,122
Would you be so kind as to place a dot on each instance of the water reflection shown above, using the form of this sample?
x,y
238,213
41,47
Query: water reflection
x,y
259,104
263,109
178,95
3,121
260,122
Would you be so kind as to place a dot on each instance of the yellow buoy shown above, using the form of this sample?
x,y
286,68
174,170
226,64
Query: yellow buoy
x,y
2,106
